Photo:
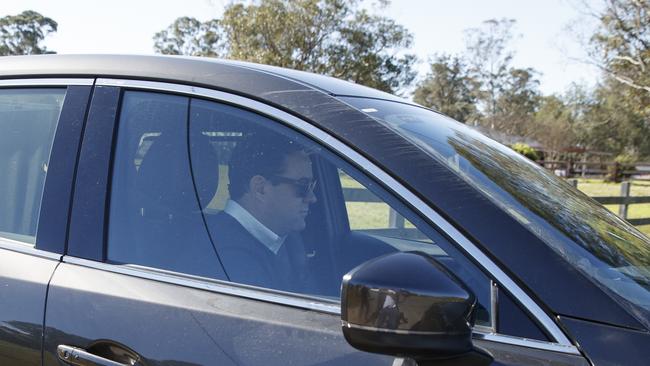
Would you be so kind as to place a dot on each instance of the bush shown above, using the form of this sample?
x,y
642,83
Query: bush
x,y
623,163
526,151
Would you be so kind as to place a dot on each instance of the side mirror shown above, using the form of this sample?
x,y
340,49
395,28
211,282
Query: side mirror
x,y
408,305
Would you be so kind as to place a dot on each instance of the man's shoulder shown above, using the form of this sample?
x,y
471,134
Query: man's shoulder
x,y
224,223
227,231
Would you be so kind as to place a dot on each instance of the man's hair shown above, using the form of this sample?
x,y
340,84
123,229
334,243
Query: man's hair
x,y
258,155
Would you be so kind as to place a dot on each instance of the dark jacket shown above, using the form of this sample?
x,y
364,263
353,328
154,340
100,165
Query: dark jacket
x,y
246,260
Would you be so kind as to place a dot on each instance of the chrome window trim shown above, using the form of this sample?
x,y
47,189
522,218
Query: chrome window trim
x,y
218,286
46,82
372,170
26,248
525,342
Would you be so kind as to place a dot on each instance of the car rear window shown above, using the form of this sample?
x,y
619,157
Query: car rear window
x,y
28,120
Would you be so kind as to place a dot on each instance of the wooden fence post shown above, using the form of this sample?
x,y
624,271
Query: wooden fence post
x,y
625,192
569,168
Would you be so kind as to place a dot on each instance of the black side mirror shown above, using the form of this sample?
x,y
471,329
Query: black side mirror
x,y
408,305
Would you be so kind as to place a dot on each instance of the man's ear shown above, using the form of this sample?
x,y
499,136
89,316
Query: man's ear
x,y
257,187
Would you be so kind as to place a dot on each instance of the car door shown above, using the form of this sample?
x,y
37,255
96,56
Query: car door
x,y
147,279
40,127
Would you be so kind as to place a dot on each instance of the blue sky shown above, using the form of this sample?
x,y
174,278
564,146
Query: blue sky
x,y
127,26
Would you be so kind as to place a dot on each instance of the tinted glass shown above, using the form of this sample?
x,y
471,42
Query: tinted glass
x,y
288,214
594,240
155,219
28,120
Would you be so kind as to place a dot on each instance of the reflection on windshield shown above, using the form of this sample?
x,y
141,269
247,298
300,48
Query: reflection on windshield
x,y
609,250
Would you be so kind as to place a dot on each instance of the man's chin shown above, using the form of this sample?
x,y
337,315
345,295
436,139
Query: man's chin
x,y
300,226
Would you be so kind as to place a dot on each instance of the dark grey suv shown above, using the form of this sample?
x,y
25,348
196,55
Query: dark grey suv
x,y
184,211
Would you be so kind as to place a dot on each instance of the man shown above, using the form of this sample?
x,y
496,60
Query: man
x,y
258,233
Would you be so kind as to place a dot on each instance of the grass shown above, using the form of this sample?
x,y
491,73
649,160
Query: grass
x,y
366,215
596,188
375,215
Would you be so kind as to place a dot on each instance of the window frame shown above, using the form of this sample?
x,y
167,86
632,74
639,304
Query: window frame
x,y
560,344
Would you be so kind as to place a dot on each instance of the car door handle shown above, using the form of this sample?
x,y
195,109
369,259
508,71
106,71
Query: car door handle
x,y
80,357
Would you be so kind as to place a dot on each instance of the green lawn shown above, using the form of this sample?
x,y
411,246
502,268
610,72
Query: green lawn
x,y
596,187
375,215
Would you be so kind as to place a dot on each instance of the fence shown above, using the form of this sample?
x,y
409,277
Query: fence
x,y
570,169
624,200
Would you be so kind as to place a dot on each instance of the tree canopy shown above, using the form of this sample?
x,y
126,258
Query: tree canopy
x,y
449,88
332,37
22,34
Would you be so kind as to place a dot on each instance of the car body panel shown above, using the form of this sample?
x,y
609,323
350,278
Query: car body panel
x,y
174,325
23,287
607,345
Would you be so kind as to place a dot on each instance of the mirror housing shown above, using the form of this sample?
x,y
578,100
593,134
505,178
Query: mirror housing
x,y
407,305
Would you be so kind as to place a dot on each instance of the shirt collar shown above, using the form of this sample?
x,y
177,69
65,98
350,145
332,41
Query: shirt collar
x,y
265,235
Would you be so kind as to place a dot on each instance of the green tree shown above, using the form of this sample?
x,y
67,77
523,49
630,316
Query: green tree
x,y
621,44
507,96
489,59
517,102
188,36
22,34
617,120
448,89
333,37
554,125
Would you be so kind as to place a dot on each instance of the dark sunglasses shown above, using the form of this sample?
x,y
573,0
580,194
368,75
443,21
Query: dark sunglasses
x,y
303,186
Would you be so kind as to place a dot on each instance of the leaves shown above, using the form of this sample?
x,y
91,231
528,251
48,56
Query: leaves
x,y
22,34
332,37
448,88
621,45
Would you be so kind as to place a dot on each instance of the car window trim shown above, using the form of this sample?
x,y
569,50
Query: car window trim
x,y
27,248
300,301
35,82
562,341
16,82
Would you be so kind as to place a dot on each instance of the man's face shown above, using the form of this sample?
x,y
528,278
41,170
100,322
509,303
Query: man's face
x,y
285,206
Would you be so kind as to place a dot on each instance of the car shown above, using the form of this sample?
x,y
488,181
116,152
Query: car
x,y
138,227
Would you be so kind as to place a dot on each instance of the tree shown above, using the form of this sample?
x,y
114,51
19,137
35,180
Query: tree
x,y
554,124
333,37
516,104
22,34
489,59
507,96
621,45
188,36
618,121
448,89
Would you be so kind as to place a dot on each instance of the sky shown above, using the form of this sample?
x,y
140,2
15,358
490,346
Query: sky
x,y
543,43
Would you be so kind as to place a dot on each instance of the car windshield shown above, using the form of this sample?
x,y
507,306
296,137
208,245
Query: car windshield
x,y
611,252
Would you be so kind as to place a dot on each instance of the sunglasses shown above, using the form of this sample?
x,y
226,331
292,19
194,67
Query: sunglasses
x,y
303,186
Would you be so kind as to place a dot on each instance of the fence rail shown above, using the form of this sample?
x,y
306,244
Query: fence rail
x,y
586,169
623,201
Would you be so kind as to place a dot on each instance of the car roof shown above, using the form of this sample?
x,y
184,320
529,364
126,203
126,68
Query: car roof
x,y
210,72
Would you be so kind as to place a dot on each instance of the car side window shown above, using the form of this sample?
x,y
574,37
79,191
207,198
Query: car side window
x,y
28,120
154,215
290,215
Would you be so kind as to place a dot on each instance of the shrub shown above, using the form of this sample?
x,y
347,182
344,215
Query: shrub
x,y
526,151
